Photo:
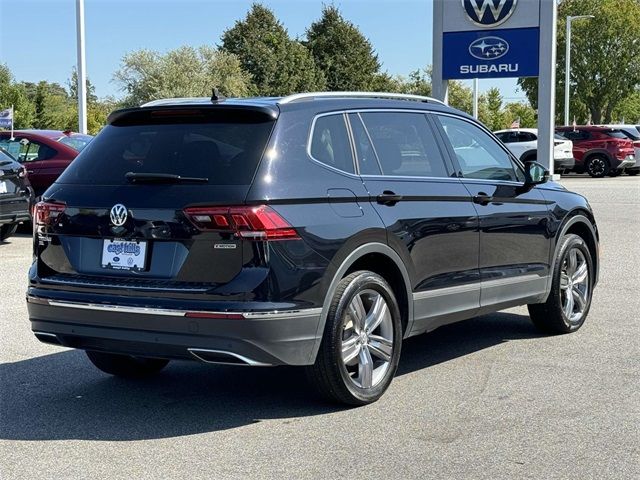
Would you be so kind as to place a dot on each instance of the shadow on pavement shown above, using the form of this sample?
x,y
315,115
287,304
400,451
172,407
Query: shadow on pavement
x,y
62,396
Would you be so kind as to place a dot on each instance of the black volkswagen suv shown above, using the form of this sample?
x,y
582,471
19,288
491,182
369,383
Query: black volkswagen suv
x,y
317,229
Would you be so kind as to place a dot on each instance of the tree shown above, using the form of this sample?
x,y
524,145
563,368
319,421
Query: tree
x,y
520,111
12,93
343,53
278,65
185,72
605,65
490,110
72,85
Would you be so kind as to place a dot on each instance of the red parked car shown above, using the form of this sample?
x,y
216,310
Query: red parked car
x,y
598,150
45,153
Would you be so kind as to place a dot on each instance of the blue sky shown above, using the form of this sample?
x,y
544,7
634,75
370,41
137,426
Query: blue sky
x,y
38,41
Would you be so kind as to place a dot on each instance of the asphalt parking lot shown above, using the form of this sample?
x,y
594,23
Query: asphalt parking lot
x,y
487,398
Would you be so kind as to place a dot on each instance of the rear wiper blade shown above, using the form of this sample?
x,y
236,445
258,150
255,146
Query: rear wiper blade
x,y
141,177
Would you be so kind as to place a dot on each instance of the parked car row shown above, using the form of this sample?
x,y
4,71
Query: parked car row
x,y
44,153
598,150
16,195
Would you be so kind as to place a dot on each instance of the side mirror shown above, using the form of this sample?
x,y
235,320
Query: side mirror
x,y
535,174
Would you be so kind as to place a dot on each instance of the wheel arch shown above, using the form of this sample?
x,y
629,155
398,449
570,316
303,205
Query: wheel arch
x,y
594,152
383,260
579,222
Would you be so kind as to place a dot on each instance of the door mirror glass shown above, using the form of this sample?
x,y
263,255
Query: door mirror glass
x,y
535,173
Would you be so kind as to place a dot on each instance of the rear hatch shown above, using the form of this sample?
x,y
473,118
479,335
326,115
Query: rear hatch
x,y
132,213
562,148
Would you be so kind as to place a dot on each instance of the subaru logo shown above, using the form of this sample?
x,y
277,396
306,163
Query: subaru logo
x,y
118,214
489,13
488,48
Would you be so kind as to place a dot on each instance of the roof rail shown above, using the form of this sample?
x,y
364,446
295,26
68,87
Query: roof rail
x,y
398,96
174,101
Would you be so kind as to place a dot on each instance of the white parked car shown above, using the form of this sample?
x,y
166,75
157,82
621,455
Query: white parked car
x,y
523,143
633,132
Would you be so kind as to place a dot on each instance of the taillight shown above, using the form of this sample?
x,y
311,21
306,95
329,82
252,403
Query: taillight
x,y
251,223
47,212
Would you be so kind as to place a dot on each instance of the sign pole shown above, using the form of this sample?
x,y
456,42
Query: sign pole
x,y
547,83
439,86
13,115
81,69
475,98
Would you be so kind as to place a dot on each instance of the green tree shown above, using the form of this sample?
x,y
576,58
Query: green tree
x,y
522,111
490,110
184,72
72,85
343,53
278,65
12,93
605,65
628,111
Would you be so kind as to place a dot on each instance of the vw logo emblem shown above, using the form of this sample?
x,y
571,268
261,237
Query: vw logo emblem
x,y
488,48
489,13
118,214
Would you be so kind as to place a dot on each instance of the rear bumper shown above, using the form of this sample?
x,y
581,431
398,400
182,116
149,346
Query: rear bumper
x,y
628,162
244,338
15,209
564,163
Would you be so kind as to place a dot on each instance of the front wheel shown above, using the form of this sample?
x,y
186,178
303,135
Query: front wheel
x,y
569,301
126,365
361,345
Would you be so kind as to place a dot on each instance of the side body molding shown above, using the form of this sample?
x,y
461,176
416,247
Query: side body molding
x,y
340,273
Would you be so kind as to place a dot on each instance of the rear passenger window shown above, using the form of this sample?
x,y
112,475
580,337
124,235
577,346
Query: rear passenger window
x,y
404,144
367,160
330,143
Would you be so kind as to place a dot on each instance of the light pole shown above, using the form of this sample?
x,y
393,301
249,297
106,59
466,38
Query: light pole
x,y
81,69
567,66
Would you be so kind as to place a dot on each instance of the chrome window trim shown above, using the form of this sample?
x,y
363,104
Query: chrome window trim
x,y
357,111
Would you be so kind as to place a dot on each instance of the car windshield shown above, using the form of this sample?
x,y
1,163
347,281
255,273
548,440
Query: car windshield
x,y
559,137
220,151
77,142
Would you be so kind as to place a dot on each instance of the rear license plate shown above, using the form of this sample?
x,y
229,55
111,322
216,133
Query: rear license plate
x,y
3,187
124,255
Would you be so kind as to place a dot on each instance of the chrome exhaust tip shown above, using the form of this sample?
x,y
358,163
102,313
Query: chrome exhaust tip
x,y
50,338
223,358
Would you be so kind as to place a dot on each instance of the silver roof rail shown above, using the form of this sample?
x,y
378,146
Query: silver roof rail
x,y
396,96
176,101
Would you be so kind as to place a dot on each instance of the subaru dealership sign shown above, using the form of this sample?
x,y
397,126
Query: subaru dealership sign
x,y
476,42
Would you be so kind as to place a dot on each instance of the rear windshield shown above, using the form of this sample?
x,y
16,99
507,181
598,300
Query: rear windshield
x,y
77,142
616,134
226,152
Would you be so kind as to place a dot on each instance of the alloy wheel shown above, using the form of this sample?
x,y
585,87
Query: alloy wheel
x,y
597,166
574,285
367,339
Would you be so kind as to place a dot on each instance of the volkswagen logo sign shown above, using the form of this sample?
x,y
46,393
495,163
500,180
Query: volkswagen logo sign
x,y
488,48
118,215
489,13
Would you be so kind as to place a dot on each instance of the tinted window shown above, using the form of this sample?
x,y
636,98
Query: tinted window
x,y
26,150
526,137
506,137
330,143
631,133
367,160
225,151
404,144
479,155
616,134
575,135
77,142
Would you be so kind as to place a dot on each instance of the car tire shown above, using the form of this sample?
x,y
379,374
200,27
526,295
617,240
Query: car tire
x,y
126,366
7,230
362,339
598,166
569,300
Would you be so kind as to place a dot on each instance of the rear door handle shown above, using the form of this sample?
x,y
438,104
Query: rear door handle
x,y
482,198
388,198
